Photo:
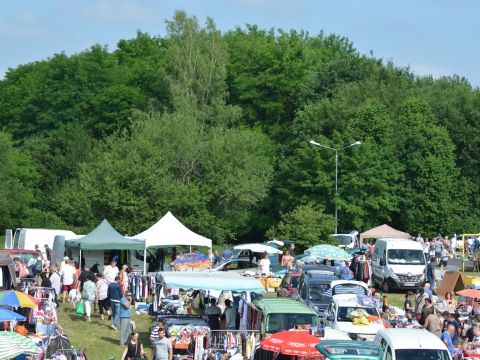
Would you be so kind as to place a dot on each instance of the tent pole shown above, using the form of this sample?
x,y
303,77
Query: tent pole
x,y
145,260
80,260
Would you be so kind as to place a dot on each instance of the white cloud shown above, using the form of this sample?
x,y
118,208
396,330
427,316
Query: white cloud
x,y
110,11
430,70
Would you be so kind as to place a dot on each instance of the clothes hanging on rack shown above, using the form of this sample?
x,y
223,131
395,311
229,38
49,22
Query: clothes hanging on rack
x,y
141,286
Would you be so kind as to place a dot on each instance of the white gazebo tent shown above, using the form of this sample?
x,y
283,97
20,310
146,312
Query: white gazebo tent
x,y
168,232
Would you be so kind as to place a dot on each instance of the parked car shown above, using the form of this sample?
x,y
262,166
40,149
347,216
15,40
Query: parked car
x,y
236,265
411,344
338,316
283,314
312,287
289,285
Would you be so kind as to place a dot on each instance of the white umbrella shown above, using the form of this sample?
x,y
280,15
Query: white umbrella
x,y
258,248
276,242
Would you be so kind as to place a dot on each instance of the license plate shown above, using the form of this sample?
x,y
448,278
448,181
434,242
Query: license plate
x,y
409,284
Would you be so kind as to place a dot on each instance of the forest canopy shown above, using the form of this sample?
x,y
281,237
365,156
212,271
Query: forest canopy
x,y
215,128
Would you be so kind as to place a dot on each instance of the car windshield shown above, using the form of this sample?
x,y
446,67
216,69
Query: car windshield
x,y
344,312
343,239
316,291
421,354
349,289
406,257
280,322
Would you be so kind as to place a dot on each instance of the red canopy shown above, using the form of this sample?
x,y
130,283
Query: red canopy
x,y
294,343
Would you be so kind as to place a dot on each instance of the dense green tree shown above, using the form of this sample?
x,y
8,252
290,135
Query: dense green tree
x,y
210,178
17,181
427,153
215,127
306,225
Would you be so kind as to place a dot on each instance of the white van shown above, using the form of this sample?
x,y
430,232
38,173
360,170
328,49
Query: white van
x,y
26,239
398,264
410,344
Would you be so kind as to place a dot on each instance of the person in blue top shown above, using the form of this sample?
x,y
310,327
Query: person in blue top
x,y
447,338
125,314
114,293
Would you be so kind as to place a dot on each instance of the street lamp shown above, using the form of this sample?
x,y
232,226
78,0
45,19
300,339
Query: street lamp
x,y
356,143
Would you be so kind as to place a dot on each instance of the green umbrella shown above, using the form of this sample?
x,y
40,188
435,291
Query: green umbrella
x,y
329,252
13,344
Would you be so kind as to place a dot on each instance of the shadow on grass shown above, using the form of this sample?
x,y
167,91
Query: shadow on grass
x,y
115,340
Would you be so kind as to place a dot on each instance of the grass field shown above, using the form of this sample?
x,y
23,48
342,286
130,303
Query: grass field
x,y
97,338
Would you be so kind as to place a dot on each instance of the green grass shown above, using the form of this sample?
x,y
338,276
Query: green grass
x,y
97,338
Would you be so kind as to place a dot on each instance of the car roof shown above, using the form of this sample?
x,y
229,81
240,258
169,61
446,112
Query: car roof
x,y
412,339
319,279
274,305
349,282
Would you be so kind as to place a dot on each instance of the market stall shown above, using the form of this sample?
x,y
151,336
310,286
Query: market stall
x,y
191,335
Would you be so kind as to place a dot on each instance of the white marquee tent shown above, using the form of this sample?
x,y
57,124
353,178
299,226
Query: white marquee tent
x,y
169,231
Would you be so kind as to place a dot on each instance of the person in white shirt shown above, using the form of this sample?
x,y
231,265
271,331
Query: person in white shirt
x,y
67,273
111,271
64,261
264,265
56,281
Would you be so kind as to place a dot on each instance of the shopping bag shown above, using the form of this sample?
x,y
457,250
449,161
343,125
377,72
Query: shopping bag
x,y
80,309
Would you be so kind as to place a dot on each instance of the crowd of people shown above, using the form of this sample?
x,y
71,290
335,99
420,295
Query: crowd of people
x,y
105,292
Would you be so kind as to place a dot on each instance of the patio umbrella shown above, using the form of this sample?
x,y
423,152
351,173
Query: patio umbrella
x,y
17,299
258,248
471,293
13,344
328,252
191,261
8,315
293,343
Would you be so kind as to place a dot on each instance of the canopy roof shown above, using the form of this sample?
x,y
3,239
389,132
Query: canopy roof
x,y
105,237
210,280
168,231
384,231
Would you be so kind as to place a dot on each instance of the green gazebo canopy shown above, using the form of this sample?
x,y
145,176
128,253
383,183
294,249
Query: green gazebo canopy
x,y
105,237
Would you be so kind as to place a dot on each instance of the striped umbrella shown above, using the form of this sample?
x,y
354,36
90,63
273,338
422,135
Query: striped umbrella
x,y
328,252
17,299
13,344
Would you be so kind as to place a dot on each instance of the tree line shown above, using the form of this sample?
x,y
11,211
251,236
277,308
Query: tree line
x,y
215,128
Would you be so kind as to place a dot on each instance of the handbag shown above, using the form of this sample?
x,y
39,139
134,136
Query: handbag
x,y
80,309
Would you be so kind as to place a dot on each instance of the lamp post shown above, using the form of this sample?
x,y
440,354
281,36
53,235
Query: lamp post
x,y
356,143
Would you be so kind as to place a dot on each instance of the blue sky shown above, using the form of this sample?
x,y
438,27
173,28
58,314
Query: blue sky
x,y
437,37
